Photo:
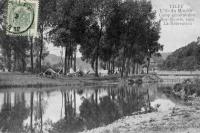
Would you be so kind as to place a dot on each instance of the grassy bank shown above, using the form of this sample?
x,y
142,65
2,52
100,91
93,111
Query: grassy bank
x,y
8,80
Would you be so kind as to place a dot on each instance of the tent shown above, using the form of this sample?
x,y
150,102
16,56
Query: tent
x,y
71,71
103,72
50,73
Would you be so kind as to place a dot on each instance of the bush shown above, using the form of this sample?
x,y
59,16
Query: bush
x,y
177,87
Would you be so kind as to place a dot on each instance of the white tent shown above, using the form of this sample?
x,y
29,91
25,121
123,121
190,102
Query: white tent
x,y
103,72
91,71
71,71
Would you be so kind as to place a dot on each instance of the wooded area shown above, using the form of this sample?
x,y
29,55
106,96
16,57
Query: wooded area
x,y
185,58
113,33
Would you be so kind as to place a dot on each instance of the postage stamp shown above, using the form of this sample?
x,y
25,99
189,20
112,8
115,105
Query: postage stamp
x,y
22,17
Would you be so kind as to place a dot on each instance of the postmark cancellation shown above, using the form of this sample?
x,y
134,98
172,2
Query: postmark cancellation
x,y
22,17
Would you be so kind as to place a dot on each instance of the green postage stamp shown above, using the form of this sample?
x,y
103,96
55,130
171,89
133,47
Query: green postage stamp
x,y
22,17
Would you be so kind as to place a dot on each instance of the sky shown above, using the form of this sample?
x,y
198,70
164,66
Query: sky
x,y
172,36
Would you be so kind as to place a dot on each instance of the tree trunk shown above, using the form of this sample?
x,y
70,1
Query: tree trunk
x,y
123,64
9,64
71,60
23,64
109,67
31,54
97,52
41,50
137,68
133,68
96,66
68,63
122,70
113,66
65,67
15,61
75,61
148,64
71,55
127,67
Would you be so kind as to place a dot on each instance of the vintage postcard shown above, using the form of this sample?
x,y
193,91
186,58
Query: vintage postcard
x,y
99,66
22,17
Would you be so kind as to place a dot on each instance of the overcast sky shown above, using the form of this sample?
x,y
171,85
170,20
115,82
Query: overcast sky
x,y
172,36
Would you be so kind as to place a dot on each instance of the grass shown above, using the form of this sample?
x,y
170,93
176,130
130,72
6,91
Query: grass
x,y
17,80
8,80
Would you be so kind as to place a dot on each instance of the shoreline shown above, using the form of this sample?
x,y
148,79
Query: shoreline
x,y
179,118
17,80
176,120
9,80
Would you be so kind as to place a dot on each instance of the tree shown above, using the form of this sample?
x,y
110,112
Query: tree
x,y
69,28
110,49
31,40
141,33
46,7
94,35
150,36
20,48
89,46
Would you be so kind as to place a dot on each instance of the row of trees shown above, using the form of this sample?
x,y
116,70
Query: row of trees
x,y
113,33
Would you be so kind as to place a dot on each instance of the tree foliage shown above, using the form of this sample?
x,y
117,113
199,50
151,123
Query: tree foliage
x,y
185,58
114,33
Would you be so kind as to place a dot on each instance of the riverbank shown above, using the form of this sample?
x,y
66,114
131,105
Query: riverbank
x,y
179,118
9,80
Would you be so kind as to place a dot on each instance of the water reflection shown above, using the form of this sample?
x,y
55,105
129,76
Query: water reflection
x,y
71,110
13,114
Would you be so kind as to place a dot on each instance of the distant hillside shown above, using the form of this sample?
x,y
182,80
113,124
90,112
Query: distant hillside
x,y
165,55
53,59
185,58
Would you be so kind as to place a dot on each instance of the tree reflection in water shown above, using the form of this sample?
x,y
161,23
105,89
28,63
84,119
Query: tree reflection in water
x,y
98,110
71,123
81,108
37,107
15,111
12,116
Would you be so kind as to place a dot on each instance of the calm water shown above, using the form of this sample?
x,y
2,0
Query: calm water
x,y
71,110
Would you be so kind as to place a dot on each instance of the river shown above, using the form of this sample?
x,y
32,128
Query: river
x,y
75,109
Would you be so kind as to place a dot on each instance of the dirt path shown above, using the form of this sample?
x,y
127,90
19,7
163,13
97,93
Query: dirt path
x,y
179,119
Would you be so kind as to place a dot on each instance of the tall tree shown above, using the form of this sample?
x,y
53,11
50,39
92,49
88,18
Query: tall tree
x,y
95,32
46,6
151,31
69,28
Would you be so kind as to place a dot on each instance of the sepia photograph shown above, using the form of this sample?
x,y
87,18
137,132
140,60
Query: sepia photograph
x,y
99,66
